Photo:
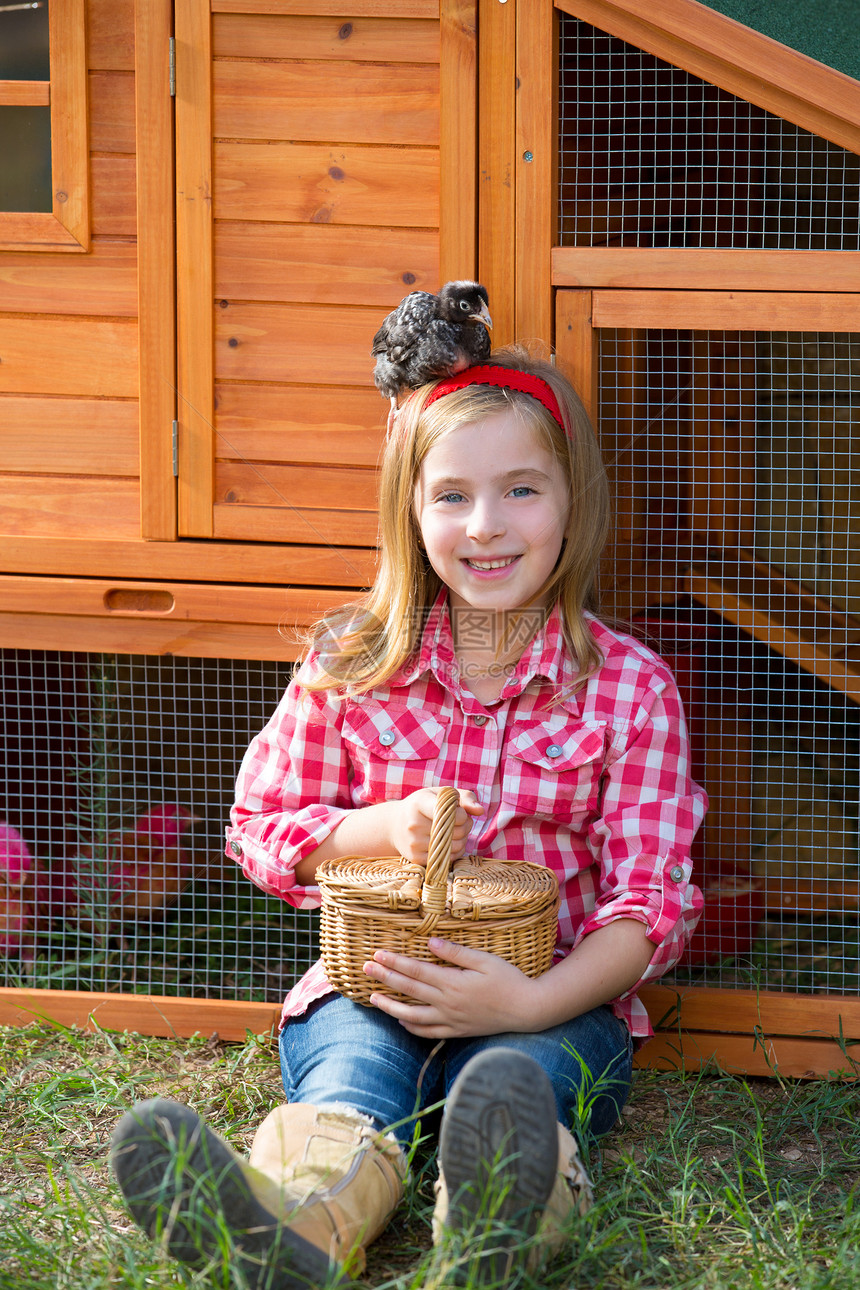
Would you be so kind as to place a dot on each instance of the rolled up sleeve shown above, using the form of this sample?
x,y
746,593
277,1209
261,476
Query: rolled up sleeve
x,y
292,791
641,838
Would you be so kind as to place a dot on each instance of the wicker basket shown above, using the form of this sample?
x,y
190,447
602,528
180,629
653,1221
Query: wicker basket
x,y
507,907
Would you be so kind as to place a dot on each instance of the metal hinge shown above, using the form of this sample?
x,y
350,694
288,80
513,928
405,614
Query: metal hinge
x,y
172,67
176,450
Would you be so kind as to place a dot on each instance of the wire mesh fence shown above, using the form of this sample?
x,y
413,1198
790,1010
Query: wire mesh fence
x,y
732,461
736,551
652,156
118,779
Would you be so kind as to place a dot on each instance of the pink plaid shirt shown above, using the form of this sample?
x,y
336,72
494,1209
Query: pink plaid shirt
x,y
597,786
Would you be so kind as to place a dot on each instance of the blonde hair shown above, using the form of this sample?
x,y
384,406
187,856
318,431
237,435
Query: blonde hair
x,y
364,644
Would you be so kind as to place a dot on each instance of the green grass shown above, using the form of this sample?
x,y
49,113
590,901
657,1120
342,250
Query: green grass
x,y
710,1181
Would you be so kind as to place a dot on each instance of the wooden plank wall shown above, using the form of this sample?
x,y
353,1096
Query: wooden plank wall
x,y
326,213
326,164
326,147
68,334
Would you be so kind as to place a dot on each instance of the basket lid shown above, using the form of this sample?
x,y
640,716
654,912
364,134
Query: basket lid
x,y
471,888
475,888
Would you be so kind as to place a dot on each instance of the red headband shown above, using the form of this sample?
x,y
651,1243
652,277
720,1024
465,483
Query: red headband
x,y
508,378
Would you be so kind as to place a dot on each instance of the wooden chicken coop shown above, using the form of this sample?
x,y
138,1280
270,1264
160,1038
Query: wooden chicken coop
x,y
205,210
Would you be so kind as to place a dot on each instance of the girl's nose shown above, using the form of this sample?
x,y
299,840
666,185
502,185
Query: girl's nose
x,y
485,522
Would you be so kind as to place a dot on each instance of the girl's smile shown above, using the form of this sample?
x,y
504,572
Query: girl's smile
x,y
488,566
492,506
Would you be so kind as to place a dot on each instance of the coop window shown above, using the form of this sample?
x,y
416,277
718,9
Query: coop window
x,y
25,114
652,156
100,753
44,185
734,464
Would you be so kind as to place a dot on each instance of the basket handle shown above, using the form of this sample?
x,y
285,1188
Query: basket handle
x,y
434,891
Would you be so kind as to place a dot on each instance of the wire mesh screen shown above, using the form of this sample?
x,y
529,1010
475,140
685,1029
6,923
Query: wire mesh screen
x,y
733,458
651,156
118,780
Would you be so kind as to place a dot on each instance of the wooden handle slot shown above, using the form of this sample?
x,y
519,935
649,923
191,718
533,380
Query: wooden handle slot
x,y
138,600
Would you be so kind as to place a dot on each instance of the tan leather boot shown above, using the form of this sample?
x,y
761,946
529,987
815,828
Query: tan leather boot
x,y
318,1187
186,1187
498,1167
571,1194
340,1179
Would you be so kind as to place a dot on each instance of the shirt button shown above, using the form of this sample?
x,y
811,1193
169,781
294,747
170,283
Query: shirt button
x,y
554,750
481,720
387,738
676,873
236,848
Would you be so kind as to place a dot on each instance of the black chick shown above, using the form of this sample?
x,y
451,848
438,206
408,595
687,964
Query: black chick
x,y
429,336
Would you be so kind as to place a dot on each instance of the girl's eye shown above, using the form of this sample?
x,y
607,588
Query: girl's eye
x,y
451,497
522,490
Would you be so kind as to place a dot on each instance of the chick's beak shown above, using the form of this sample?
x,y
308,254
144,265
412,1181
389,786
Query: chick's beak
x,y
483,317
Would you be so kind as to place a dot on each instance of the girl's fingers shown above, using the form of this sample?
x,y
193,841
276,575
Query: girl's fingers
x,y
387,961
418,1020
410,976
462,956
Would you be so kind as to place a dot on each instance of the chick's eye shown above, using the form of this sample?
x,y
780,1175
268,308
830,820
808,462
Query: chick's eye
x,y
464,305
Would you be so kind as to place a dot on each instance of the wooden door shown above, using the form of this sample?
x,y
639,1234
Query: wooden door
x,y
309,165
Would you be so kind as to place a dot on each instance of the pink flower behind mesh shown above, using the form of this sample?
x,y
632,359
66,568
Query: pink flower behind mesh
x,y
145,871
16,860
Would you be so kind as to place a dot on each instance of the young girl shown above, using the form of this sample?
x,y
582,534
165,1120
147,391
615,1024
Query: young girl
x,y
474,661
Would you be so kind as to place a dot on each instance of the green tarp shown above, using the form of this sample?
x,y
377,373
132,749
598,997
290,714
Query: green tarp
x,y
826,30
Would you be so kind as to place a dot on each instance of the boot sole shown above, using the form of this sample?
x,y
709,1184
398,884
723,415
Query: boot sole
x,y
498,1152
181,1182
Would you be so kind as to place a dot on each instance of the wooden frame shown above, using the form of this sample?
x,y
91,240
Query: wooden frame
x,y
497,208
728,310
682,268
458,144
750,1032
246,562
758,1033
809,631
517,166
156,268
330,8
730,1030
67,226
163,1015
536,169
138,617
25,93
195,409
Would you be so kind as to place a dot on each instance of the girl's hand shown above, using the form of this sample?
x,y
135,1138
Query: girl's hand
x,y
412,817
478,994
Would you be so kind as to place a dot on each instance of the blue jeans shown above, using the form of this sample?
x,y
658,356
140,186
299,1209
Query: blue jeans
x,y
341,1052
